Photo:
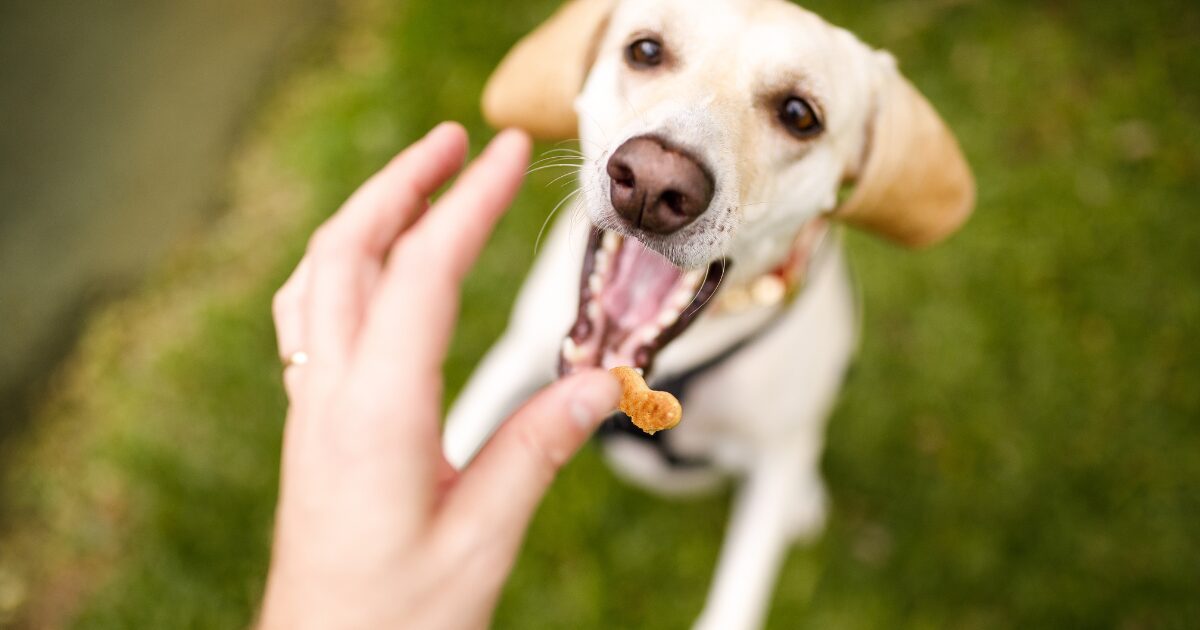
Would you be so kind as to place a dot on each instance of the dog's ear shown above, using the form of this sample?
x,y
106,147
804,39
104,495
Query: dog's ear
x,y
537,82
912,184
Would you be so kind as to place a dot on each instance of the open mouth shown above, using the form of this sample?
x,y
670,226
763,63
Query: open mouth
x,y
632,303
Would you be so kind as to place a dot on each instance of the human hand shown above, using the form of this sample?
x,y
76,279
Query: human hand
x,y
374,528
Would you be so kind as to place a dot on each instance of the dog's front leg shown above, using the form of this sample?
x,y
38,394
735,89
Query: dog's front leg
x,y
510,372
763,526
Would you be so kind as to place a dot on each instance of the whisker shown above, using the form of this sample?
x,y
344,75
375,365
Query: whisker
x,y
537,242
558,159
578,212
564,157
716,288
565,141
546,166
567,174
577,163
562,151
581,141
706,270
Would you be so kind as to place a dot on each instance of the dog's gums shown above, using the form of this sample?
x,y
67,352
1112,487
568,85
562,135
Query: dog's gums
x,y
632,303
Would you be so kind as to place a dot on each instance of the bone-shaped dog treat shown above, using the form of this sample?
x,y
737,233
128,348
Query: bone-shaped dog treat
x,y
651,411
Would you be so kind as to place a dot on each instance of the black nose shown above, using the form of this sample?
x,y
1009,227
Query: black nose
x,y
657,188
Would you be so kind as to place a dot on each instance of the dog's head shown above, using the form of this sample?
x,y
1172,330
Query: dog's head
x,y
714,130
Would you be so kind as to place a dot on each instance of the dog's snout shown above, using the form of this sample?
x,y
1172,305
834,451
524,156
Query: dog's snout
x,y
657,188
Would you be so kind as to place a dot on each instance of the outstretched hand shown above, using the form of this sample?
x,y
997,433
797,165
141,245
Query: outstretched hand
x,y
374,528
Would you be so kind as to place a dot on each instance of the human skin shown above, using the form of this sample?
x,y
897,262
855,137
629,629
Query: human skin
x,y
374,529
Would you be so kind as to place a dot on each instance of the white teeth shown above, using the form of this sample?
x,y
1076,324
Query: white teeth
x,y
571,350
676,303
595,283
694,277
648,332
593,310
682,298
768,290
602,261
679,299
610,242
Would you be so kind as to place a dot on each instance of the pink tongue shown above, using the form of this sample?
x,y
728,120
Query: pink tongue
x,y
640,284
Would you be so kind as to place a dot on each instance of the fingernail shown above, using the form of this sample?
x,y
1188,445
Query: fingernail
x,y
442,128
595,396
509,136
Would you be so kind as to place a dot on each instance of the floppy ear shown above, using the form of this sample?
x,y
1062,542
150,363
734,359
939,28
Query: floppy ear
x,y
537,82
913,184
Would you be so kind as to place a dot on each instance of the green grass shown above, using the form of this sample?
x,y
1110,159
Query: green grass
x,y
1018,445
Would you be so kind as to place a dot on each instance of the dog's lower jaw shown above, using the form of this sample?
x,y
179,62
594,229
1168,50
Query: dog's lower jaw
x,y
632,303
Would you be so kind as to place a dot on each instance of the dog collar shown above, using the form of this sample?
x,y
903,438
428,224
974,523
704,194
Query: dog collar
x,y
781,285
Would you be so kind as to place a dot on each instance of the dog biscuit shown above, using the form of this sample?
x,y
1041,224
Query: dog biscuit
x,y
650,411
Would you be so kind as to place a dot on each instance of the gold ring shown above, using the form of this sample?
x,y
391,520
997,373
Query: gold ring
x,y
296,358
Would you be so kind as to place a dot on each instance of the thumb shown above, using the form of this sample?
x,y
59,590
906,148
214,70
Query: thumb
x,y
501,489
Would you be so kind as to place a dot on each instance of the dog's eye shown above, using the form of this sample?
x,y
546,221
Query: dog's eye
x,y
799,118
644,53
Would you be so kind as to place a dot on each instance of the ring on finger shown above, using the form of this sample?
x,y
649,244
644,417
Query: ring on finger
x,y
295,359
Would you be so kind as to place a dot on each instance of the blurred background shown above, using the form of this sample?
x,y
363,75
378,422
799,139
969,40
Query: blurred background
x,y
1018,445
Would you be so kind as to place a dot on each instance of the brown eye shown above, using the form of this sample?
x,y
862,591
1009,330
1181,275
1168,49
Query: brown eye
x,y
644,53
799,118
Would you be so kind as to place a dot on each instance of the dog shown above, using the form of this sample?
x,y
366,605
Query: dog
x,y
724,143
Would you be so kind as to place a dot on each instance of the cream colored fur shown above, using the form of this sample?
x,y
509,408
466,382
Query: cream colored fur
x,y
760,416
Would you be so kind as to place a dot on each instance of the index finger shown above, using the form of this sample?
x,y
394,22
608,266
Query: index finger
x,y
392,199
464,217
398,358
416,305
348,251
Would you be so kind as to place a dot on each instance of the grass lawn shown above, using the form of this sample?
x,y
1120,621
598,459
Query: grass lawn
x,y
1018,446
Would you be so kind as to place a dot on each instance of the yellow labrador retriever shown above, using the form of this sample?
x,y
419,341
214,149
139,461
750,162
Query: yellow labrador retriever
x,y
722,143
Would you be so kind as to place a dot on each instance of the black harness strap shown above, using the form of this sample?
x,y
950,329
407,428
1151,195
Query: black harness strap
x,y
677,385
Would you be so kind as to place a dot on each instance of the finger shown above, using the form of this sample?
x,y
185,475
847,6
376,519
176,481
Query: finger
x,y
503,486
463,218
288,312
392,199
399,353
416,304
347,252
